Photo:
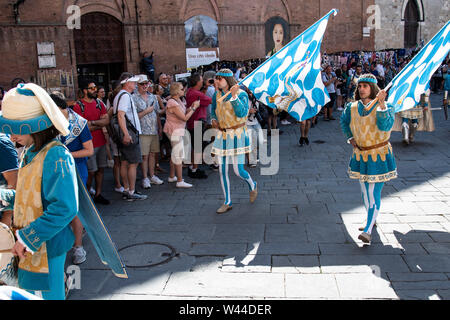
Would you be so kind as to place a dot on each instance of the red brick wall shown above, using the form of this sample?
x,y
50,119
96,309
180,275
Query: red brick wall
x,y
18,51
241,29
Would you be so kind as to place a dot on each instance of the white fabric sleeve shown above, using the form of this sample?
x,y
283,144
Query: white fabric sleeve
x,y
23,243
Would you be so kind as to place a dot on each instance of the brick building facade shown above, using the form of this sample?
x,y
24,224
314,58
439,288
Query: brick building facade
x,y
158,25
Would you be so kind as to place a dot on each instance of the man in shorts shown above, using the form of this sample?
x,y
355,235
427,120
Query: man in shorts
x,y
93,110
130,150
148,111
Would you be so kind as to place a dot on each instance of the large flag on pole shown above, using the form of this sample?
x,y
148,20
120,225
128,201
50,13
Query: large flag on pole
x,y
413,80
291,80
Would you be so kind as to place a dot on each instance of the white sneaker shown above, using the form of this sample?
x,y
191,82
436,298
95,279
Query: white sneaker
x,y
285,122
79,255
92,191
340,109
136,196
174,179
156,180
119,190
111,163
183,184
146,183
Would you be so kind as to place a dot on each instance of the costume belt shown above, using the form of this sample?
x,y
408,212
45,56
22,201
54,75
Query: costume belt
x,y
232,128
374,146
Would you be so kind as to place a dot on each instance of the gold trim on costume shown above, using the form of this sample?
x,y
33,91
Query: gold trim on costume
x,y
372,178
230,152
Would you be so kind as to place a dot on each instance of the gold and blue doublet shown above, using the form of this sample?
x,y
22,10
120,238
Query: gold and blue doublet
x,y
370,128
45,203
231,114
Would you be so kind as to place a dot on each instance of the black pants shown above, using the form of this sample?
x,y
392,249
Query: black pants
x,y
330,104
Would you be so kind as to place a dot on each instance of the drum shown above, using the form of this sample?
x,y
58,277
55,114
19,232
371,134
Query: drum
x,y
8,262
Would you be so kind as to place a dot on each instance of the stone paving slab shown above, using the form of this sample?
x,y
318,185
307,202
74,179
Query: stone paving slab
x,y
419,294
207,249
227,285
428,263
249,263
288,248
364,286
313,286
361,263
296,264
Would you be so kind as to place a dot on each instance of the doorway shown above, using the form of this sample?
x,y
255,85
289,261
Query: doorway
x,y
412,17
99,49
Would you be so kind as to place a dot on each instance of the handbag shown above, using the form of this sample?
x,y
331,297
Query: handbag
x,y
117,134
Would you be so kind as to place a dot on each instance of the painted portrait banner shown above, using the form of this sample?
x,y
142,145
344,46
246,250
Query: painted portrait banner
x,y
277,35
202,45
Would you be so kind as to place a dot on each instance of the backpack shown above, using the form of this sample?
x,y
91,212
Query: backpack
x,y
83,107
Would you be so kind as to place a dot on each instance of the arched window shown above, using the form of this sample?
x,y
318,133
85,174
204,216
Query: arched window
x,y
412,17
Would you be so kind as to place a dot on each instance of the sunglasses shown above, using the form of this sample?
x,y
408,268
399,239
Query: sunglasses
x,y
144,84
92,88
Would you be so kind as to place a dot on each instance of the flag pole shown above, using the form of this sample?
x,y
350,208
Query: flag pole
x,y
331,11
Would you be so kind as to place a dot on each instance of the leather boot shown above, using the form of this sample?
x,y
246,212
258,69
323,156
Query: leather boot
x,y
254,194
365,237
224,208
412,131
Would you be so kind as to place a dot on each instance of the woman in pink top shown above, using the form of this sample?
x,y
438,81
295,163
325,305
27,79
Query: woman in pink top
x,y
176,118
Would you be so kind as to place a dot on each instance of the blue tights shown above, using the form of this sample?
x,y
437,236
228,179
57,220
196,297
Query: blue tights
x,y
238,166
371,194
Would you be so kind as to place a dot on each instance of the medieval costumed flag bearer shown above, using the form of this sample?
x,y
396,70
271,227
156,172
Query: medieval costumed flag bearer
x,y
290,80
48,196
419,118
232,143
368,121
367,124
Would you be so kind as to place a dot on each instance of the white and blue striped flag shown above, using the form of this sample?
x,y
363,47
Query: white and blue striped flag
x,y
413,80
291,80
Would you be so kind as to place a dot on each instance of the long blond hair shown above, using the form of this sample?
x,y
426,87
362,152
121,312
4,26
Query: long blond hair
x,y
174,87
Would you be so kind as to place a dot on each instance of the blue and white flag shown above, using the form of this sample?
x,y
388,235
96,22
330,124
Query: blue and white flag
x,y
291,80
414,79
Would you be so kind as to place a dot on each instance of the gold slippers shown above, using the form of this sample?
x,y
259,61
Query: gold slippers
x,y
224,208
254,194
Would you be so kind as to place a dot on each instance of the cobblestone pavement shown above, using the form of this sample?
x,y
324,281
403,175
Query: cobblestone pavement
x,y
298,240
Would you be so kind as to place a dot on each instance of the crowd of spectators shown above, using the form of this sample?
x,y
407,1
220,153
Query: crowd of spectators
x,y
141,122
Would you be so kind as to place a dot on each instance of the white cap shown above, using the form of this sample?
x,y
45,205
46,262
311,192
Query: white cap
x,y
142,78
131,79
